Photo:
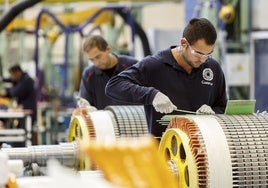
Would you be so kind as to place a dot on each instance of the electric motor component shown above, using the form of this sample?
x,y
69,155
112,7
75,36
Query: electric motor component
x,y
217,151
108,124
130,120
111,123
66,153
97,124
85,126
80,126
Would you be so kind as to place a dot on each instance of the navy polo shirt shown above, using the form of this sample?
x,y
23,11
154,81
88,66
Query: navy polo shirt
x,y
94,80
160,72
25,93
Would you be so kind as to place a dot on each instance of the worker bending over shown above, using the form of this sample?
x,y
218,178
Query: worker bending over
x,y
184,77
105,64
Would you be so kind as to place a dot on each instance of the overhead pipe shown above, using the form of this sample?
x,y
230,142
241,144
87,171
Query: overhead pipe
x,y
137,30
14,10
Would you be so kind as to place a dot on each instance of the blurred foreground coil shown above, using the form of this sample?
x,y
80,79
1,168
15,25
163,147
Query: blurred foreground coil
x,y
217,151
132,163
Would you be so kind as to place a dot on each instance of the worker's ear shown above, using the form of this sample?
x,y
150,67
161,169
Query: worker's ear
x,y
108,49
183,42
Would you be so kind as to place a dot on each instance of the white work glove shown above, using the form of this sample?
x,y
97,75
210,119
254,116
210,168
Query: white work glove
x,y
205,109
162,103
83,103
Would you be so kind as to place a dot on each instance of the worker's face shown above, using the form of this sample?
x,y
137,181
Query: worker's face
x,y
101,59
14,76
197,53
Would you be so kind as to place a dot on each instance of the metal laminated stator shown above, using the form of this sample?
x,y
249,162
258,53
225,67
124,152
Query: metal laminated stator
x,y
248,145
110,123
80,126
85,125
130,120
92,125
217,150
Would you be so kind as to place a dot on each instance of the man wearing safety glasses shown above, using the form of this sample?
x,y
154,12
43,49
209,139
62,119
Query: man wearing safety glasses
x,y
180,78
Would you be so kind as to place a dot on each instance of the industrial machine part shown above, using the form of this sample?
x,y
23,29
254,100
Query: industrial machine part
x,y
227,13
12,135
36,157
111,123
108,124
217,151
130,120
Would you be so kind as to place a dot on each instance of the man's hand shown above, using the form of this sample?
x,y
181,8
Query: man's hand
x,y
162,103
83,103
205,109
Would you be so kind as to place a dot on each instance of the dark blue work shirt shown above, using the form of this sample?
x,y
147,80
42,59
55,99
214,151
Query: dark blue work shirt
x,y
94,80
160,72
25,93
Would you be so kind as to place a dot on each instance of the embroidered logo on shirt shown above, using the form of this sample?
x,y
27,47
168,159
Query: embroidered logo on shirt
x,y
208,76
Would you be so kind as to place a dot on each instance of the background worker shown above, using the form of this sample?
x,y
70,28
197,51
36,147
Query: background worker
x,y
105,64
183,77
23,90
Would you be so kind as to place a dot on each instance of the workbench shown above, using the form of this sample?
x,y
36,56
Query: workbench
x,y
13,134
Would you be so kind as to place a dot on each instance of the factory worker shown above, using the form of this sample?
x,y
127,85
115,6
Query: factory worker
x,y
22,89
180,77
104,64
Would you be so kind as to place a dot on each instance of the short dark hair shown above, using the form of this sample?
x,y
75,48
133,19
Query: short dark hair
x,y
15,68
94,41
200,28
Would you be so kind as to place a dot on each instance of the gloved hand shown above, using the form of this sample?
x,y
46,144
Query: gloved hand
x,y
91,108
205,109
163,104
83,103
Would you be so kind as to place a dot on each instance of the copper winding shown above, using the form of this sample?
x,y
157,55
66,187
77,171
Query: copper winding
x,y
197,148
83,112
